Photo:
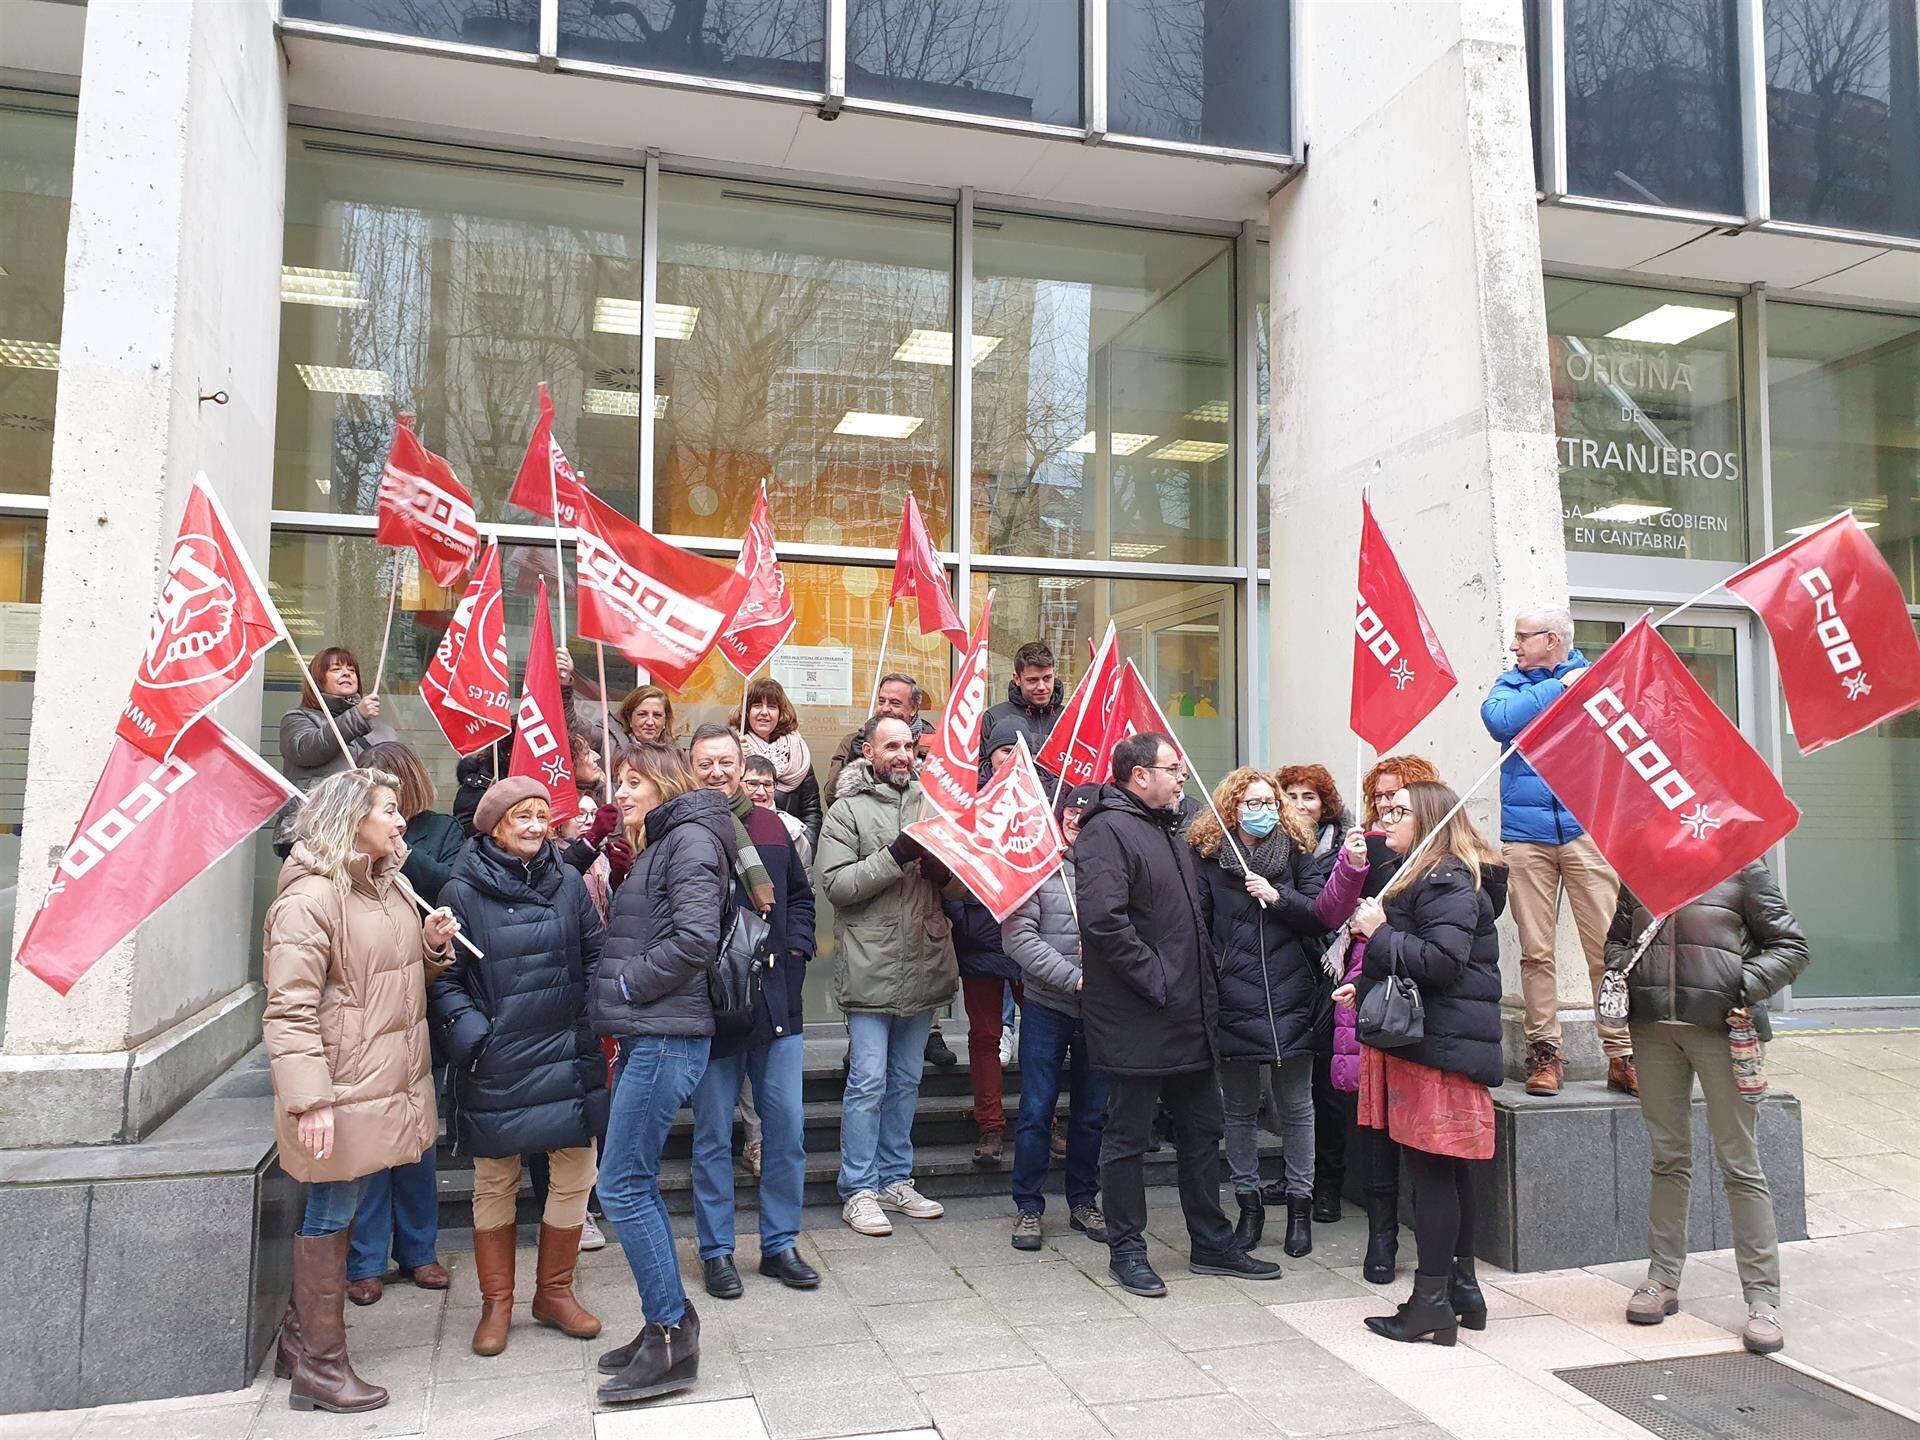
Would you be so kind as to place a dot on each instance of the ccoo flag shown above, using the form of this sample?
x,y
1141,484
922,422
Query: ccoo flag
x,y
423,504
917,571
478,618
765,618
1399,670
1073,746
951,775
542,742
547,484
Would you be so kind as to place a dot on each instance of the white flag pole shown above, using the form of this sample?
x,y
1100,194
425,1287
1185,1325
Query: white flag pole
x,y
880,665
606,721
1080,718
386,635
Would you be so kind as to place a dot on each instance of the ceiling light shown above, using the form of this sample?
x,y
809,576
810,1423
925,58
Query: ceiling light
x,y
339,380
879,427
1197,450
1133,550
1628,513
615,316
1119,442
1809,529
935,347
619,402
301,285
1670,324
1214,412
30,354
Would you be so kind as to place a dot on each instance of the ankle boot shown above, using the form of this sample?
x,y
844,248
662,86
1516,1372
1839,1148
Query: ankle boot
x,y
668,1360
1299,1225
322,1378
493,1263
1383,1239
1427,1315
1253,1221
553,1299
1465,1295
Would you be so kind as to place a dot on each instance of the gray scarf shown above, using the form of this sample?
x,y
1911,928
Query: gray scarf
x,y
1269,859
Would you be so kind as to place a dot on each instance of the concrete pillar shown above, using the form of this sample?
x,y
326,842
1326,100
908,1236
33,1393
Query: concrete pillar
x,y
172,296
1409,355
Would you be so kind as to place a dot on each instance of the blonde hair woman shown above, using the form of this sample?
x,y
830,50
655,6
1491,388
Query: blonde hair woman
x,y
347,964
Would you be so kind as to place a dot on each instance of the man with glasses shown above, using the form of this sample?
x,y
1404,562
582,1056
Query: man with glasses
x,y
1547,851
1150,1011
760,783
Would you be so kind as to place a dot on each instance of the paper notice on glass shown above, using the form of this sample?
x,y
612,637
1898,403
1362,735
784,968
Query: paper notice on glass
x,y
815,674
20,634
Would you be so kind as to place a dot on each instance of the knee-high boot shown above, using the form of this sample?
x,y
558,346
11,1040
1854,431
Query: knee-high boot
x,y
323,1378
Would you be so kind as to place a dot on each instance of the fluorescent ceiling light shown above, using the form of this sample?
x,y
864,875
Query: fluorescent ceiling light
x,y
30,354
1628,513
615,316
339,380
1199,450
879,427
1670,324
1134,550
301,285
1809,529
1214,412
935,347
619,402
1120,442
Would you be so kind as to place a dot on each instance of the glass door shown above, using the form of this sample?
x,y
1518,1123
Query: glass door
x,y
1716,650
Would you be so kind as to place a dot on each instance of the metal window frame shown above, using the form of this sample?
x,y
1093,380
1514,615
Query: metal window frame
x,y
1246,479
649,342
1551,29
960,512
836,57
1756,177
1093,60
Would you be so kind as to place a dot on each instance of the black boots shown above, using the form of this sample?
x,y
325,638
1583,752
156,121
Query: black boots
x,y
1383,1239
1463,1291
668,1359
1253,1220
1326,1201
1427,1315
1299,1225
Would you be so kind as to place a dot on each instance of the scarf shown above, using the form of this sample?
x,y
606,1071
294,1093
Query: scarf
x,y
792,760
1269,859
747,865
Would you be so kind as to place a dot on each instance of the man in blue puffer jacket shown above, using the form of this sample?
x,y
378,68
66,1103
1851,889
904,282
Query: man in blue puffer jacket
x,y
1547,851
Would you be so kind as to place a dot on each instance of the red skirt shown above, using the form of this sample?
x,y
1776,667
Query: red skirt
x,y
1431,1110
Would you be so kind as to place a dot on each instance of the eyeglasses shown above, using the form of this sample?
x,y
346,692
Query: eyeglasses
x,y
1530,634
1381,797
1179,772
1255,806
1393,814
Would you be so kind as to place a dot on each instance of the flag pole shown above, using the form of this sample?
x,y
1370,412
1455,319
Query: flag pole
x,y
1459,804
1359,773
606,720
1073,736
559,556
880,665
386,635
1718,585
1721,585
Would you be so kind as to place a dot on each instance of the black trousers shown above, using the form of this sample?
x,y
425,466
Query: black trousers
x,y
1442,1208
1329,1125
1192,1101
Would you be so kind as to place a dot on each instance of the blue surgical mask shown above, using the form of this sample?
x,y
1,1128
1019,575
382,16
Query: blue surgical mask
x,y
1259,823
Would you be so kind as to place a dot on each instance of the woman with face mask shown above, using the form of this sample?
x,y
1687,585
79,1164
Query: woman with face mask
x,y
1263,903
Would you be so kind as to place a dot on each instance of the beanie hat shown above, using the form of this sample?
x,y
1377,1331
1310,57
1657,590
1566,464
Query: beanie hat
x,y
1078,798
502,796
1006,732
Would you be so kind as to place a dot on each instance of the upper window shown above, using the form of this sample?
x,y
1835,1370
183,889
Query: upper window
x,y
1208,72
497,24
1843,114
36,178
763,42
1653,113
1011,59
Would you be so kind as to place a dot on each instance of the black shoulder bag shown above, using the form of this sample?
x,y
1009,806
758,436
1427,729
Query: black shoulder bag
x,y
1391,1015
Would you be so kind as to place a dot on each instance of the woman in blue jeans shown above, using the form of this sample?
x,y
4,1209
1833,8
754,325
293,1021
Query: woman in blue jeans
x,y
650,992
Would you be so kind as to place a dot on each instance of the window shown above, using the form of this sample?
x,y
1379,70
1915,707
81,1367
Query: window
x,y
36,176
1208,72
23,545
1263,399
1647,421
1011,59
762,42
497,24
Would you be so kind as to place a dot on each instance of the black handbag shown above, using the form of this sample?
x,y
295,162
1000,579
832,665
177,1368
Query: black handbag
x,y
736,983
1392,1014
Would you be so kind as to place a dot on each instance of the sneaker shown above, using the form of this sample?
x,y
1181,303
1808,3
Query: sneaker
x,y
863,1214
910,1202
1622,1076
1026,1230
1652,1303
1088,1220
590,1236
1763,1333
1006,1045
939,1053
992,1145
1545,1069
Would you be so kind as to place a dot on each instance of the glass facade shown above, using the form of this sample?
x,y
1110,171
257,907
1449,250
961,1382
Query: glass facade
x,y
497,24
36,176
763,42
1010,59
1207,72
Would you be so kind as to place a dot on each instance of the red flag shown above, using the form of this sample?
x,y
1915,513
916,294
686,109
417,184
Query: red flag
x,y
917,571
472,731
1074,744
951,775
213,620
479,683
1671,792
663,608
546,484
765,618
1130,710
1399,670
149,828
1838,620
542,746
423,504
1012,845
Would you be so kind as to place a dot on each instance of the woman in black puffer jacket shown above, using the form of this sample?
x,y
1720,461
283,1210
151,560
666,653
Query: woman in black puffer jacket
x,y
527,1074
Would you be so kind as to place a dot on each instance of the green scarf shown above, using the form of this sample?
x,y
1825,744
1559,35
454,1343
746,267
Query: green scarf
x,y
753,874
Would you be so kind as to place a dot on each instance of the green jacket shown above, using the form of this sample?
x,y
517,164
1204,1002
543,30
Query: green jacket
x,y
893,945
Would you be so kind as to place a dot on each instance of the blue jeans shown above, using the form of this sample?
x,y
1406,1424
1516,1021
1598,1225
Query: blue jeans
x,y
885,1054
330,1206
775,1071
655,1076
399,1208
1046,1040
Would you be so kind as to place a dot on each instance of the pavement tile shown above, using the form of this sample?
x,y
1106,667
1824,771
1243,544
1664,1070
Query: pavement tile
x,y
1830,1139
985,1242
1338,1327
43,1425
512,1406
1891,1171
213,1422
810,1412
1162,1378
1873,1209
702,1420
880,1277
1228,1325
1898,1383
1305,1390
770,1317
406,1375
1825,1224
1217,1417
1497,1405
942,1337
530,1349
1537,1345
1599,1306
1043,1294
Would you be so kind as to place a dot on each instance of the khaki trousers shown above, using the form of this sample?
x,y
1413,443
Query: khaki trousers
x,y
1667,1057
496,1188
1536,875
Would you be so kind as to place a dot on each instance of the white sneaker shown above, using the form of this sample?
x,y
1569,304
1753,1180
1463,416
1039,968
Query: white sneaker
x,y
910,1202
1006,1045
863,1213
590,1236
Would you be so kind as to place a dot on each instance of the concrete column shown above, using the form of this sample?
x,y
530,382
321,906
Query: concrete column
x,y
1409,354
172,295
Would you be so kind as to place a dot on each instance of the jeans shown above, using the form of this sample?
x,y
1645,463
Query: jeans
x,y
1046,1040
656,1076
1240,1100
330,1206
885,1054
775,1071
1193,1104
985,996
399,1208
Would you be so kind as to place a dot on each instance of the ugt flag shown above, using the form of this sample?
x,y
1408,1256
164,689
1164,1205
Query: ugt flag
x,y
423,504
765,618
1073,746
951,776
917,571
149,827
547,484
1012,845
1399,670
1840,630
213,620
479,624
1130,710
1670,790
542,744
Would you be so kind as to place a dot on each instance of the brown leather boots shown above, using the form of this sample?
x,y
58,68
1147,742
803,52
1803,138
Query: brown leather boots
x,y
553,1299
313,1345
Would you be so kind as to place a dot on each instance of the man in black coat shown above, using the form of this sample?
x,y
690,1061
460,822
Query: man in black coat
x,y
1150,1010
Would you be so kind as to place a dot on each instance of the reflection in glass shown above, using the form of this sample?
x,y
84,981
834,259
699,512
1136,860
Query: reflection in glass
x,y
1845,392
1013,59
36,174
812,350
1843,113
23,546
497,24
451,283
764,42
1263,399
1102,394
1262,728
1706,650
1646,409
1209,72
1653,110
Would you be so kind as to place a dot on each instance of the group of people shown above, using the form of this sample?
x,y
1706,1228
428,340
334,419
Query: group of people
x,y
1187,967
